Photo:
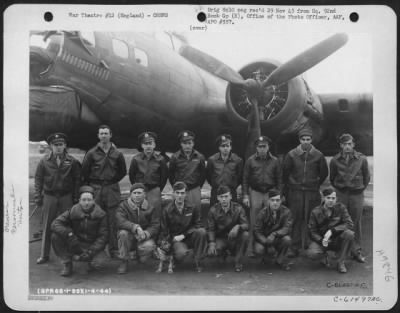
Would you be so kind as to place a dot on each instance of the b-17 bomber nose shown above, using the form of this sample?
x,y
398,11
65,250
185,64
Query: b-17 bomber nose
x,y
44,47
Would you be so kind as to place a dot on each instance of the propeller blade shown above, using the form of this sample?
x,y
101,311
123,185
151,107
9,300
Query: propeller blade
x,y
306,60
211,65
254,129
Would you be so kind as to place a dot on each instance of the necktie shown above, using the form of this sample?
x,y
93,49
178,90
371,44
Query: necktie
x,y
58,160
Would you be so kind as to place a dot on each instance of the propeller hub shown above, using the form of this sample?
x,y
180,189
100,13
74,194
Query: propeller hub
x,y
253,88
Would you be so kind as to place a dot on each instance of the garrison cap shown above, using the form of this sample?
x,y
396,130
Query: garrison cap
x,y
306,131
137,186
345,137
262,139
273,193
186,135
57,137
146,137
179,185
86,188
223,189
222,139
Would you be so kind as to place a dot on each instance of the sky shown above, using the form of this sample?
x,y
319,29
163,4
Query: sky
x,y
348,70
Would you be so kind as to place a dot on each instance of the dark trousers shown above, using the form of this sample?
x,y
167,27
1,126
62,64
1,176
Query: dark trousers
x,y
196,241
61,249
108,198
341,243
52,207
301,202
237,246
355,205
279,245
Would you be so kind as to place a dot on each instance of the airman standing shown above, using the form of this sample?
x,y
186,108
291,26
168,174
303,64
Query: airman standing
x,y
57,182
102,168
224,168
150,168
350,176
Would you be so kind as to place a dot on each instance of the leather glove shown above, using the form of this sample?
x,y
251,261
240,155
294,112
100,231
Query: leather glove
x,y
212,250
234,232
74,245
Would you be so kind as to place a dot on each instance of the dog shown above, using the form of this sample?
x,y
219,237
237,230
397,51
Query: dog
x,y
165,254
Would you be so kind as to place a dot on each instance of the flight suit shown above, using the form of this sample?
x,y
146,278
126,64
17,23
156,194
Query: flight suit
x,y
129,217
220,172
153,173
187,223
259,176
192,171
56,190
350,178
303,174
220,224
103,171
273,232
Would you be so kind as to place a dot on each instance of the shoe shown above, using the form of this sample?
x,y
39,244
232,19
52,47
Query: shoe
x,y
92,267
42,260
67,269
341,267
325,261
123,267
199,267
359,257
238,268
284,266
292,253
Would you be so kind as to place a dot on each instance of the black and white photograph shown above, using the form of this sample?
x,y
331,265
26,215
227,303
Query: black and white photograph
x,y
234,155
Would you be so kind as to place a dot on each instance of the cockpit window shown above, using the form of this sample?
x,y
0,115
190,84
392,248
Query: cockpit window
x,y
38,40
88,38
164,38
141,57
120,48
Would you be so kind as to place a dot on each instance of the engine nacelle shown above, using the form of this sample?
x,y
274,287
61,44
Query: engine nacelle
x,y
283,109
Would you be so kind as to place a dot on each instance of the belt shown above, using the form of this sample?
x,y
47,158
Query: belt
x,y
101,182
350,191
190,187
262,189
56,193
150,186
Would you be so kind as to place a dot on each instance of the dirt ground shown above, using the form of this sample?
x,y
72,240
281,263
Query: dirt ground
x,y
218,278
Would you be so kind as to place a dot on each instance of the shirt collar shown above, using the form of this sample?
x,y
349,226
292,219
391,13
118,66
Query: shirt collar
x,y
228,158
144,206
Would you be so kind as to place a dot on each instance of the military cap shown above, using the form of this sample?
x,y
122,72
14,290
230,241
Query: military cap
x,y
186,135
222,139
179,185
262,139
273,193
345,137
146,137
137,186
223,189
57,137
328,191
305,132
86,188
